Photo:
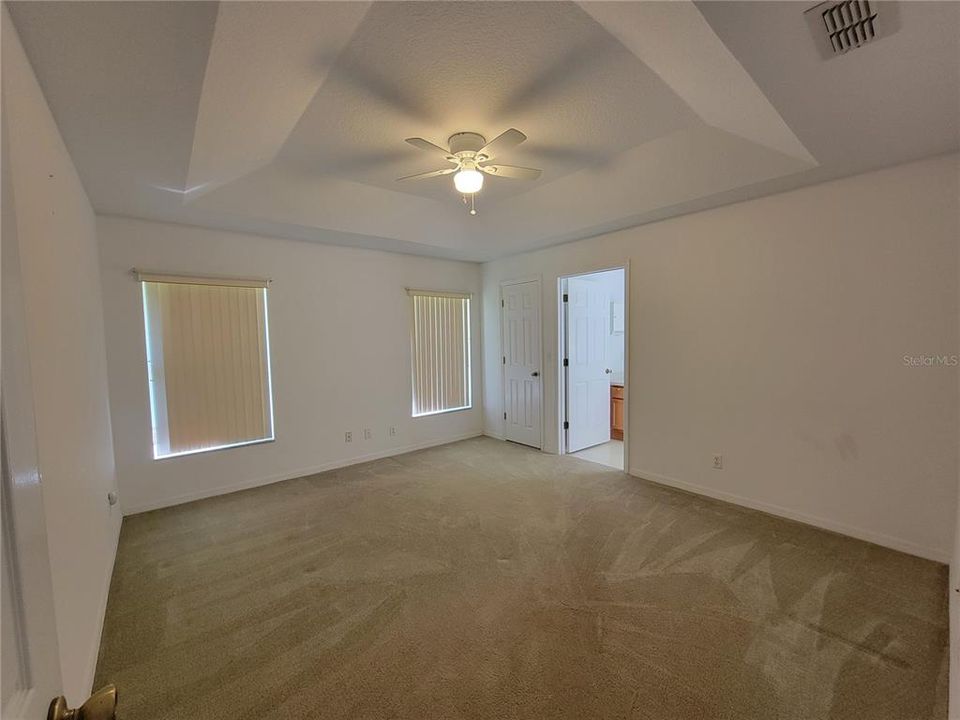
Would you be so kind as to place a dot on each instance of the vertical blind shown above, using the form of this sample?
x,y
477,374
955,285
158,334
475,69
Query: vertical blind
x,y
208,363
440,348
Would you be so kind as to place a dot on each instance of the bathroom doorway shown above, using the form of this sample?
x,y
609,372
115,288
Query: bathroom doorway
x,y
593,366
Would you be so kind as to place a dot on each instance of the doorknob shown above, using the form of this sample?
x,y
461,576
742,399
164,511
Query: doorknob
x,y
608,371
102,705
535,373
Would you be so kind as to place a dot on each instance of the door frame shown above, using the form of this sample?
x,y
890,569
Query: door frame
x,y
561,342
538,279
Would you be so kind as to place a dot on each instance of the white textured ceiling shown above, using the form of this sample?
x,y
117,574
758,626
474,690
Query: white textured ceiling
x,y
288,118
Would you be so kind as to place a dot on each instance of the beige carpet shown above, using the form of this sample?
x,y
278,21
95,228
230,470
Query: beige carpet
x,y
485,580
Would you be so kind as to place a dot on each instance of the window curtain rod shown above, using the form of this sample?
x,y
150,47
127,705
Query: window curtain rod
x,y
438,293
161,277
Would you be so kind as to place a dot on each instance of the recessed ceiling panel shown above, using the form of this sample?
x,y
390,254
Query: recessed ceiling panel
x,y
262,72
432,69
123,80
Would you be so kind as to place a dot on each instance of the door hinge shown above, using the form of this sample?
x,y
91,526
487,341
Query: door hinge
x,y
566,298
566,425
504,359
566,362
501,302
504,416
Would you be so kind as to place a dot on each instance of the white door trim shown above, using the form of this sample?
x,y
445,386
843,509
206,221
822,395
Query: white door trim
x,y
503,379
561,339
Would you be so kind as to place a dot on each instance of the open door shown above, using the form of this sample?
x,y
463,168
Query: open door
x,y
587,309
30,663
30,677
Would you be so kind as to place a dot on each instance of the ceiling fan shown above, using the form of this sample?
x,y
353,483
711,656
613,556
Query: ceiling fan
x,y
471,154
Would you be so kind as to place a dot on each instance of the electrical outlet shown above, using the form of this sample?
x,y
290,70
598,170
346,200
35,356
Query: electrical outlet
x,y
367,433
718,462
393,431
348,436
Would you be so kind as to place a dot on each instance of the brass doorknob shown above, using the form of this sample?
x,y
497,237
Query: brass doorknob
x,y
102,705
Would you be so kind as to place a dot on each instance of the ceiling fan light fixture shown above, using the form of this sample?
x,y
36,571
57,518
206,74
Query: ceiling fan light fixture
x,y
469,152
468,181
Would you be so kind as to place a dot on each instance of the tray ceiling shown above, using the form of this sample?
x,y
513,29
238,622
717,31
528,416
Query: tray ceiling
x,y
288,119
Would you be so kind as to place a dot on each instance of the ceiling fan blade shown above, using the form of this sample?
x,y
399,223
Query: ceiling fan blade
x,y
503,141
511,171
581,63
429,146
425,175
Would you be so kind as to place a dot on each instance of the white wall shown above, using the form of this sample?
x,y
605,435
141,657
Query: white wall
x,y
62,305
340,355
774,331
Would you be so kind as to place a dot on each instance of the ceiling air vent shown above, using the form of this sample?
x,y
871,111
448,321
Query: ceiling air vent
x,y
839,27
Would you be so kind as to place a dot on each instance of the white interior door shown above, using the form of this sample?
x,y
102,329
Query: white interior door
x,y
30,669
520,328
588,373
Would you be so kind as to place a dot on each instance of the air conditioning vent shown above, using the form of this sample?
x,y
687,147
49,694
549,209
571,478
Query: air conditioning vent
x,y
839,27
849,24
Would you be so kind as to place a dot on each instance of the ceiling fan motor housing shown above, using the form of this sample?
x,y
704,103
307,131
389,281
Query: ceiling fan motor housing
x,y
470,152
466,142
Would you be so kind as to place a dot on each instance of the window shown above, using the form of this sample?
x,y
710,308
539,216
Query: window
x,y
440,348
208,363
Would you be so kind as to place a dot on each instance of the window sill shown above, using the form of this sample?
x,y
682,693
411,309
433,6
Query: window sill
x,y
186,453
443,412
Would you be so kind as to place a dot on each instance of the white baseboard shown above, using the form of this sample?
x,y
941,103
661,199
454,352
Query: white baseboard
x,y
495,436
302,472
907,546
